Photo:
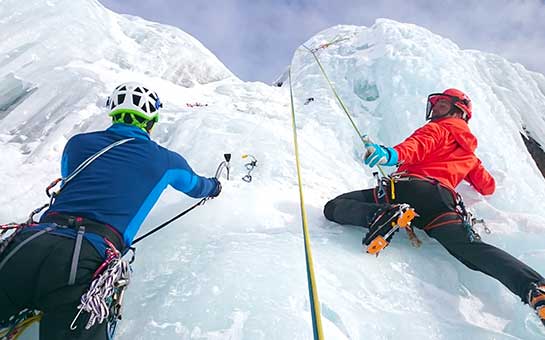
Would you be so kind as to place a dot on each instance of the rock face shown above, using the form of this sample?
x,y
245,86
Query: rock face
x,y
536,150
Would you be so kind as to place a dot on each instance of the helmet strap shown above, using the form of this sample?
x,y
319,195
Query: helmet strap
x,y
149,125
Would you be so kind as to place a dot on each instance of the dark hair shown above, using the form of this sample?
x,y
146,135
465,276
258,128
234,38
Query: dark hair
x,y
457,110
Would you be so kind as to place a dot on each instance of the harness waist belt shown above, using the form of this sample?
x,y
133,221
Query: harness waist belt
x,y
91,226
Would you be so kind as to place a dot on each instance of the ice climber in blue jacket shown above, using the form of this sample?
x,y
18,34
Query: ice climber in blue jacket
x,y
50,265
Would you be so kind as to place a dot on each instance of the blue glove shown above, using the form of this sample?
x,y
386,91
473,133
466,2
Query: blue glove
x,y
378,154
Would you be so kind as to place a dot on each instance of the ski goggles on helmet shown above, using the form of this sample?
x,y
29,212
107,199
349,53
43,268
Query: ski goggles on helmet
x,y
435,97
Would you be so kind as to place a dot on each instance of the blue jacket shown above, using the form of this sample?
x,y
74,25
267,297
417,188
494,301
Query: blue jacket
x,y
121,186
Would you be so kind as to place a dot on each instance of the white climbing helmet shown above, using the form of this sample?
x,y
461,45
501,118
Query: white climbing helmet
x,y
136,100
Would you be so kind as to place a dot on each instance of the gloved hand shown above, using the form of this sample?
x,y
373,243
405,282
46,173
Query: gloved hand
x,y
218,188
378,154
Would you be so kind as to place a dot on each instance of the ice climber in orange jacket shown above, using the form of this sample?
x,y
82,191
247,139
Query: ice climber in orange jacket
x,y
431,163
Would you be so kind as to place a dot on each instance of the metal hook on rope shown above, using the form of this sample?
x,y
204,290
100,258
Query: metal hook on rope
x,y
249,167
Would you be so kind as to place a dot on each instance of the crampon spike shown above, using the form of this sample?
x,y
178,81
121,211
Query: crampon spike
x,y
380,242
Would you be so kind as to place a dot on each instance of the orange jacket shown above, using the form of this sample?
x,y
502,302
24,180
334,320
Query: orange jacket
x,y
444,149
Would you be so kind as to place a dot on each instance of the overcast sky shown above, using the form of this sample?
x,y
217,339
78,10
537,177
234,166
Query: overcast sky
x,y
255,39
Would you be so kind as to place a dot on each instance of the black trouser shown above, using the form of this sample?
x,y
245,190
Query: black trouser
x,y
36,277
431,201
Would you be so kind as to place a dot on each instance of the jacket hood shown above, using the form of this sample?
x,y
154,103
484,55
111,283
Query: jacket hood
x,y
459,130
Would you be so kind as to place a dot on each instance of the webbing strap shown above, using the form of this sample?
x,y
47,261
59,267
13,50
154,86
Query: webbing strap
x,y
75,256
64,181
450,217
89,160
16,249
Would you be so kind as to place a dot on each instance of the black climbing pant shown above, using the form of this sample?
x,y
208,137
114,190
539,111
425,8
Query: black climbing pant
x,y
36,277
436,206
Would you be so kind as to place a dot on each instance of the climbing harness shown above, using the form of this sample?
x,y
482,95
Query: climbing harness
x,y
249,167
313,290
462,214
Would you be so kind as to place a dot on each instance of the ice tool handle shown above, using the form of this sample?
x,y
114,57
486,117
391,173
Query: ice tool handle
x,y
223,165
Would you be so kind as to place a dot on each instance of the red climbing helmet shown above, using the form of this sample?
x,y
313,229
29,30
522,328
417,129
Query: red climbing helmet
x,y
456,97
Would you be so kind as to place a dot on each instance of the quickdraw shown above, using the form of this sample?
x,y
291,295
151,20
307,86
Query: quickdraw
x,y
326,45
249,167
470,221
5,239
104,299
15,228
381,193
